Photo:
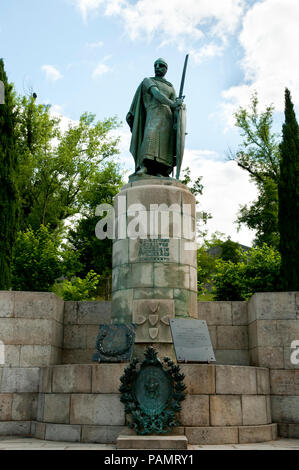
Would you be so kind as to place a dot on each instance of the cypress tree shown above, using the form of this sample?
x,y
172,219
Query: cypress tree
x,y
288,193
8,190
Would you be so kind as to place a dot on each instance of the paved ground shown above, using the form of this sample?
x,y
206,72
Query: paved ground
x,y
15,443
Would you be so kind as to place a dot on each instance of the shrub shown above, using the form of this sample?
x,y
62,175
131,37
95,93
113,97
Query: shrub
x,y
36,262
258,271
77,288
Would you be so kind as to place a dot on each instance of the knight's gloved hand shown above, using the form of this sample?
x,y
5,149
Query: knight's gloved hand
x,y
178,102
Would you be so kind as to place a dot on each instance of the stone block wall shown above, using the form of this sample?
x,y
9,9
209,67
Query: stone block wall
x,y
81,326
80,403
273,326
228,328
31,328
227,323
39,330
18,399
224,404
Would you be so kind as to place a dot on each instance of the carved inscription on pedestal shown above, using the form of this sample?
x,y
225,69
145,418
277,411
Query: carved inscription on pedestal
x,y
155,250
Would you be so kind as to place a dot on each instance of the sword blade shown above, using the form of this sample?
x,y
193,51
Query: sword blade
x,y
183,76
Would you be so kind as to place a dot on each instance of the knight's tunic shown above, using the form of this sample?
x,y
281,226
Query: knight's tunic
x,y
151,123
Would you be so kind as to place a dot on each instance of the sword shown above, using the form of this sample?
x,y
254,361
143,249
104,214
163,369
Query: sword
x,y
183,77
177,112
182,87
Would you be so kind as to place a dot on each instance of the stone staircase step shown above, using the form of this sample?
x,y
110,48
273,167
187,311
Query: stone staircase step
x,y
152,442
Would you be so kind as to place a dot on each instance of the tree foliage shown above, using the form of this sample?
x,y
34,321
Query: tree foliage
x,y
257,271
8,190
289,198
259,155
196,188
36,260
262,215
64,173
259,151
95,254
217,248
77,288
58,167
40,258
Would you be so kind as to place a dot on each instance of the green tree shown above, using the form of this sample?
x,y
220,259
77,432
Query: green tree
x,y
257,271
95,254
9,200
205,266
77,288
228,250
262,215
40,258
289,199
37,261
259,155
196,188
36,131
213,250
57,166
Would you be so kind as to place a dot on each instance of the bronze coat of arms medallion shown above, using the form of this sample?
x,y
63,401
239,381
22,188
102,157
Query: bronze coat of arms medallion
x,y
152,393
152,390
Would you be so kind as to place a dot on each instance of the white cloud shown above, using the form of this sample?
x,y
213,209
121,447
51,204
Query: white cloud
x,y
210,50
269,36
180,19
94,45
125,158
65,122
52,73
100,69
184,23
226,187
87,6
114,7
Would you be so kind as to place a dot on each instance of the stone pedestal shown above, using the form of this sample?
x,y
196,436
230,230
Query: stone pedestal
x,y
154,258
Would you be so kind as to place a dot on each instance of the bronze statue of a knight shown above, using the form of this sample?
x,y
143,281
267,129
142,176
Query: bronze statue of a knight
x,y
157,122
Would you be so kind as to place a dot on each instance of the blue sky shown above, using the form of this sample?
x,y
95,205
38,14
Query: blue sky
x,y
90,55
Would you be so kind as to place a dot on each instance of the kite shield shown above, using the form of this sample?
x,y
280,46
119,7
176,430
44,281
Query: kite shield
x,y
180,137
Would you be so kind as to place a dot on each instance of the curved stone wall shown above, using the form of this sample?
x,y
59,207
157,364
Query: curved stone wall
x,y
224,404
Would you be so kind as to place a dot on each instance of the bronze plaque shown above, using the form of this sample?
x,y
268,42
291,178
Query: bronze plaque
x,y
154,250
114,343
191,340
152,393
153,390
